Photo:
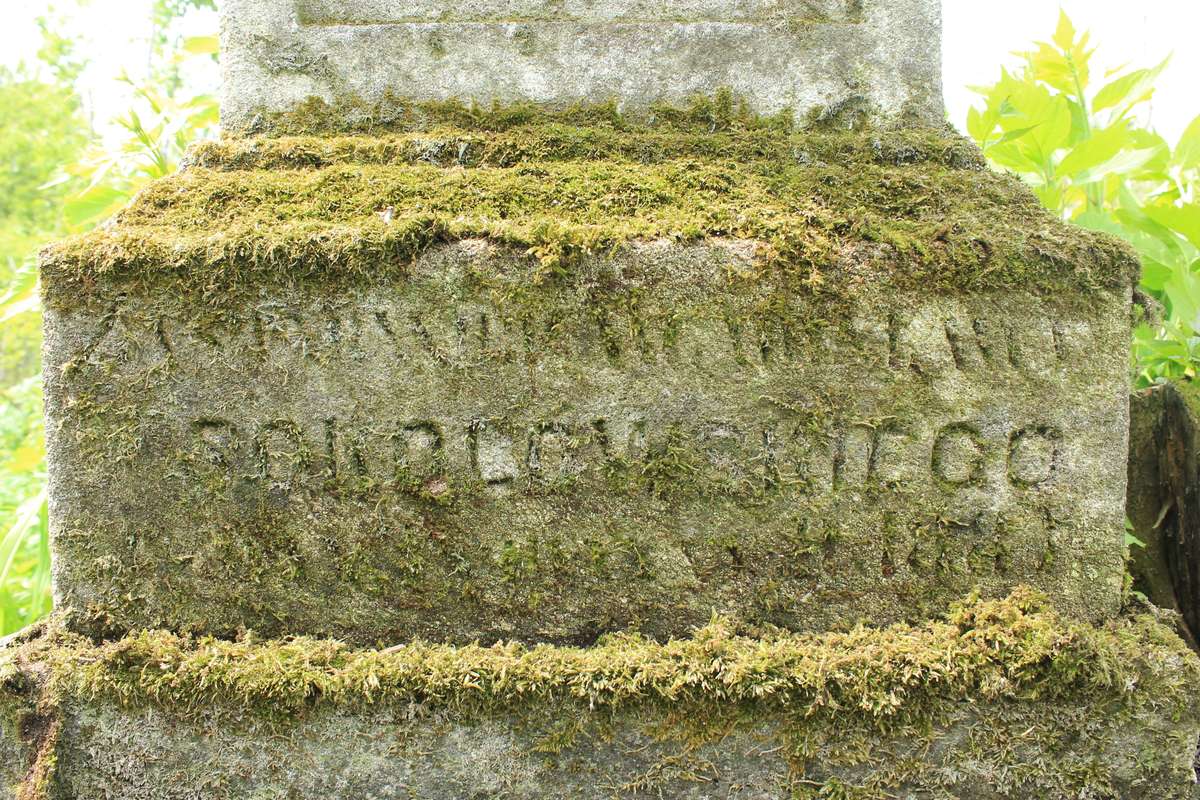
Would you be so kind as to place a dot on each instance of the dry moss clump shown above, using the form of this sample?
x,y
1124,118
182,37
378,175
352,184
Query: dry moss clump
x,y
988,650
861,714
906,209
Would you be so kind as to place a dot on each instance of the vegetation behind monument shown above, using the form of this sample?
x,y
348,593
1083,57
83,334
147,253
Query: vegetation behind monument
x,y
1077,138
59,176
1073,135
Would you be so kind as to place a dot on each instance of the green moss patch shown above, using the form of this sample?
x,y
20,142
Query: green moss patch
x,y
1012,648
1007,692
907,209
392,113
556,140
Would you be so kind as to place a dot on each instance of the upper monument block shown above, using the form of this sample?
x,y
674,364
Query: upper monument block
x,y
820,59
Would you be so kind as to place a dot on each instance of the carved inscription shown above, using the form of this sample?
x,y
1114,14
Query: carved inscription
x,y
927,346
474,336
505,456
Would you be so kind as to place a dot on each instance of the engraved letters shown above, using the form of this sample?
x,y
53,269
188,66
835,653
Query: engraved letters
x,y
505,456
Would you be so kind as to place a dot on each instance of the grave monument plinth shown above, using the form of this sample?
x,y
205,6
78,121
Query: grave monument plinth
x,y
281,404
820,60
618,399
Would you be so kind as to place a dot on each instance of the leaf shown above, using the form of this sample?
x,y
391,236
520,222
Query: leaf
x,y
1065,64
980,125
1122,163
1013,135
1184,220
1035,124
1158,168
95,205
1133,214
1128,91
1050,66
1064,35
1183,296
1159,261
1101,147
1155,274
1187,152
202,45
27,516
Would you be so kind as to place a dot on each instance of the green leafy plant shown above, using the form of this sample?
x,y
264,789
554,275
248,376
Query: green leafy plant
x,y
45,135
42,126
1075,137
156,133
25,540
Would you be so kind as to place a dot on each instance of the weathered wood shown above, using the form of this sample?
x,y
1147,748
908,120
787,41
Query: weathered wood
x,y
1164,499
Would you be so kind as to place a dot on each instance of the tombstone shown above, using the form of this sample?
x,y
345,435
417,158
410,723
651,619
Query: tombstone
x,y
269,410
470,451
604,376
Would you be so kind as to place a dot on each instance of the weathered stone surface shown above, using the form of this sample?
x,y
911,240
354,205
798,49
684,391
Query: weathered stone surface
x,y
276,402
151,755
1001,701
639,445
823,58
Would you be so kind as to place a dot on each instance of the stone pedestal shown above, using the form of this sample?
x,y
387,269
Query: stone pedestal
x,y
512,421
266,415
1002,700
815,60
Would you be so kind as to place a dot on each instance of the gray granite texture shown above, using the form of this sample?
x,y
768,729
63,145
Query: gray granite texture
x,y
833,60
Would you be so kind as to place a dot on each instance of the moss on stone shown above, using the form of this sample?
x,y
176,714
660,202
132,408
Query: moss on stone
x,y
909,209
557,140
988,649
722,111
836,698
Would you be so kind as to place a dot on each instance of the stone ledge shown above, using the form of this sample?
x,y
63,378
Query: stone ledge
x,y
836,214
1003,699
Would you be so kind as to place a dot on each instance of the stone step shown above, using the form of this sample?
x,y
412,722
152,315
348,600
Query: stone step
x,y
1002,700
374,399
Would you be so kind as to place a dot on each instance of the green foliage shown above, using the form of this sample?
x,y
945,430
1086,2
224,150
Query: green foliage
x,y
155,134
49,184
41,128
59,53
24,544
1076,139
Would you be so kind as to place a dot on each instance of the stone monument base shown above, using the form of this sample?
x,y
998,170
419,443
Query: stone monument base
x,y
1003,699
323,386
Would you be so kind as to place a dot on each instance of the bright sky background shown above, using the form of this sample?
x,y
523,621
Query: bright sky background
x,y
979,38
